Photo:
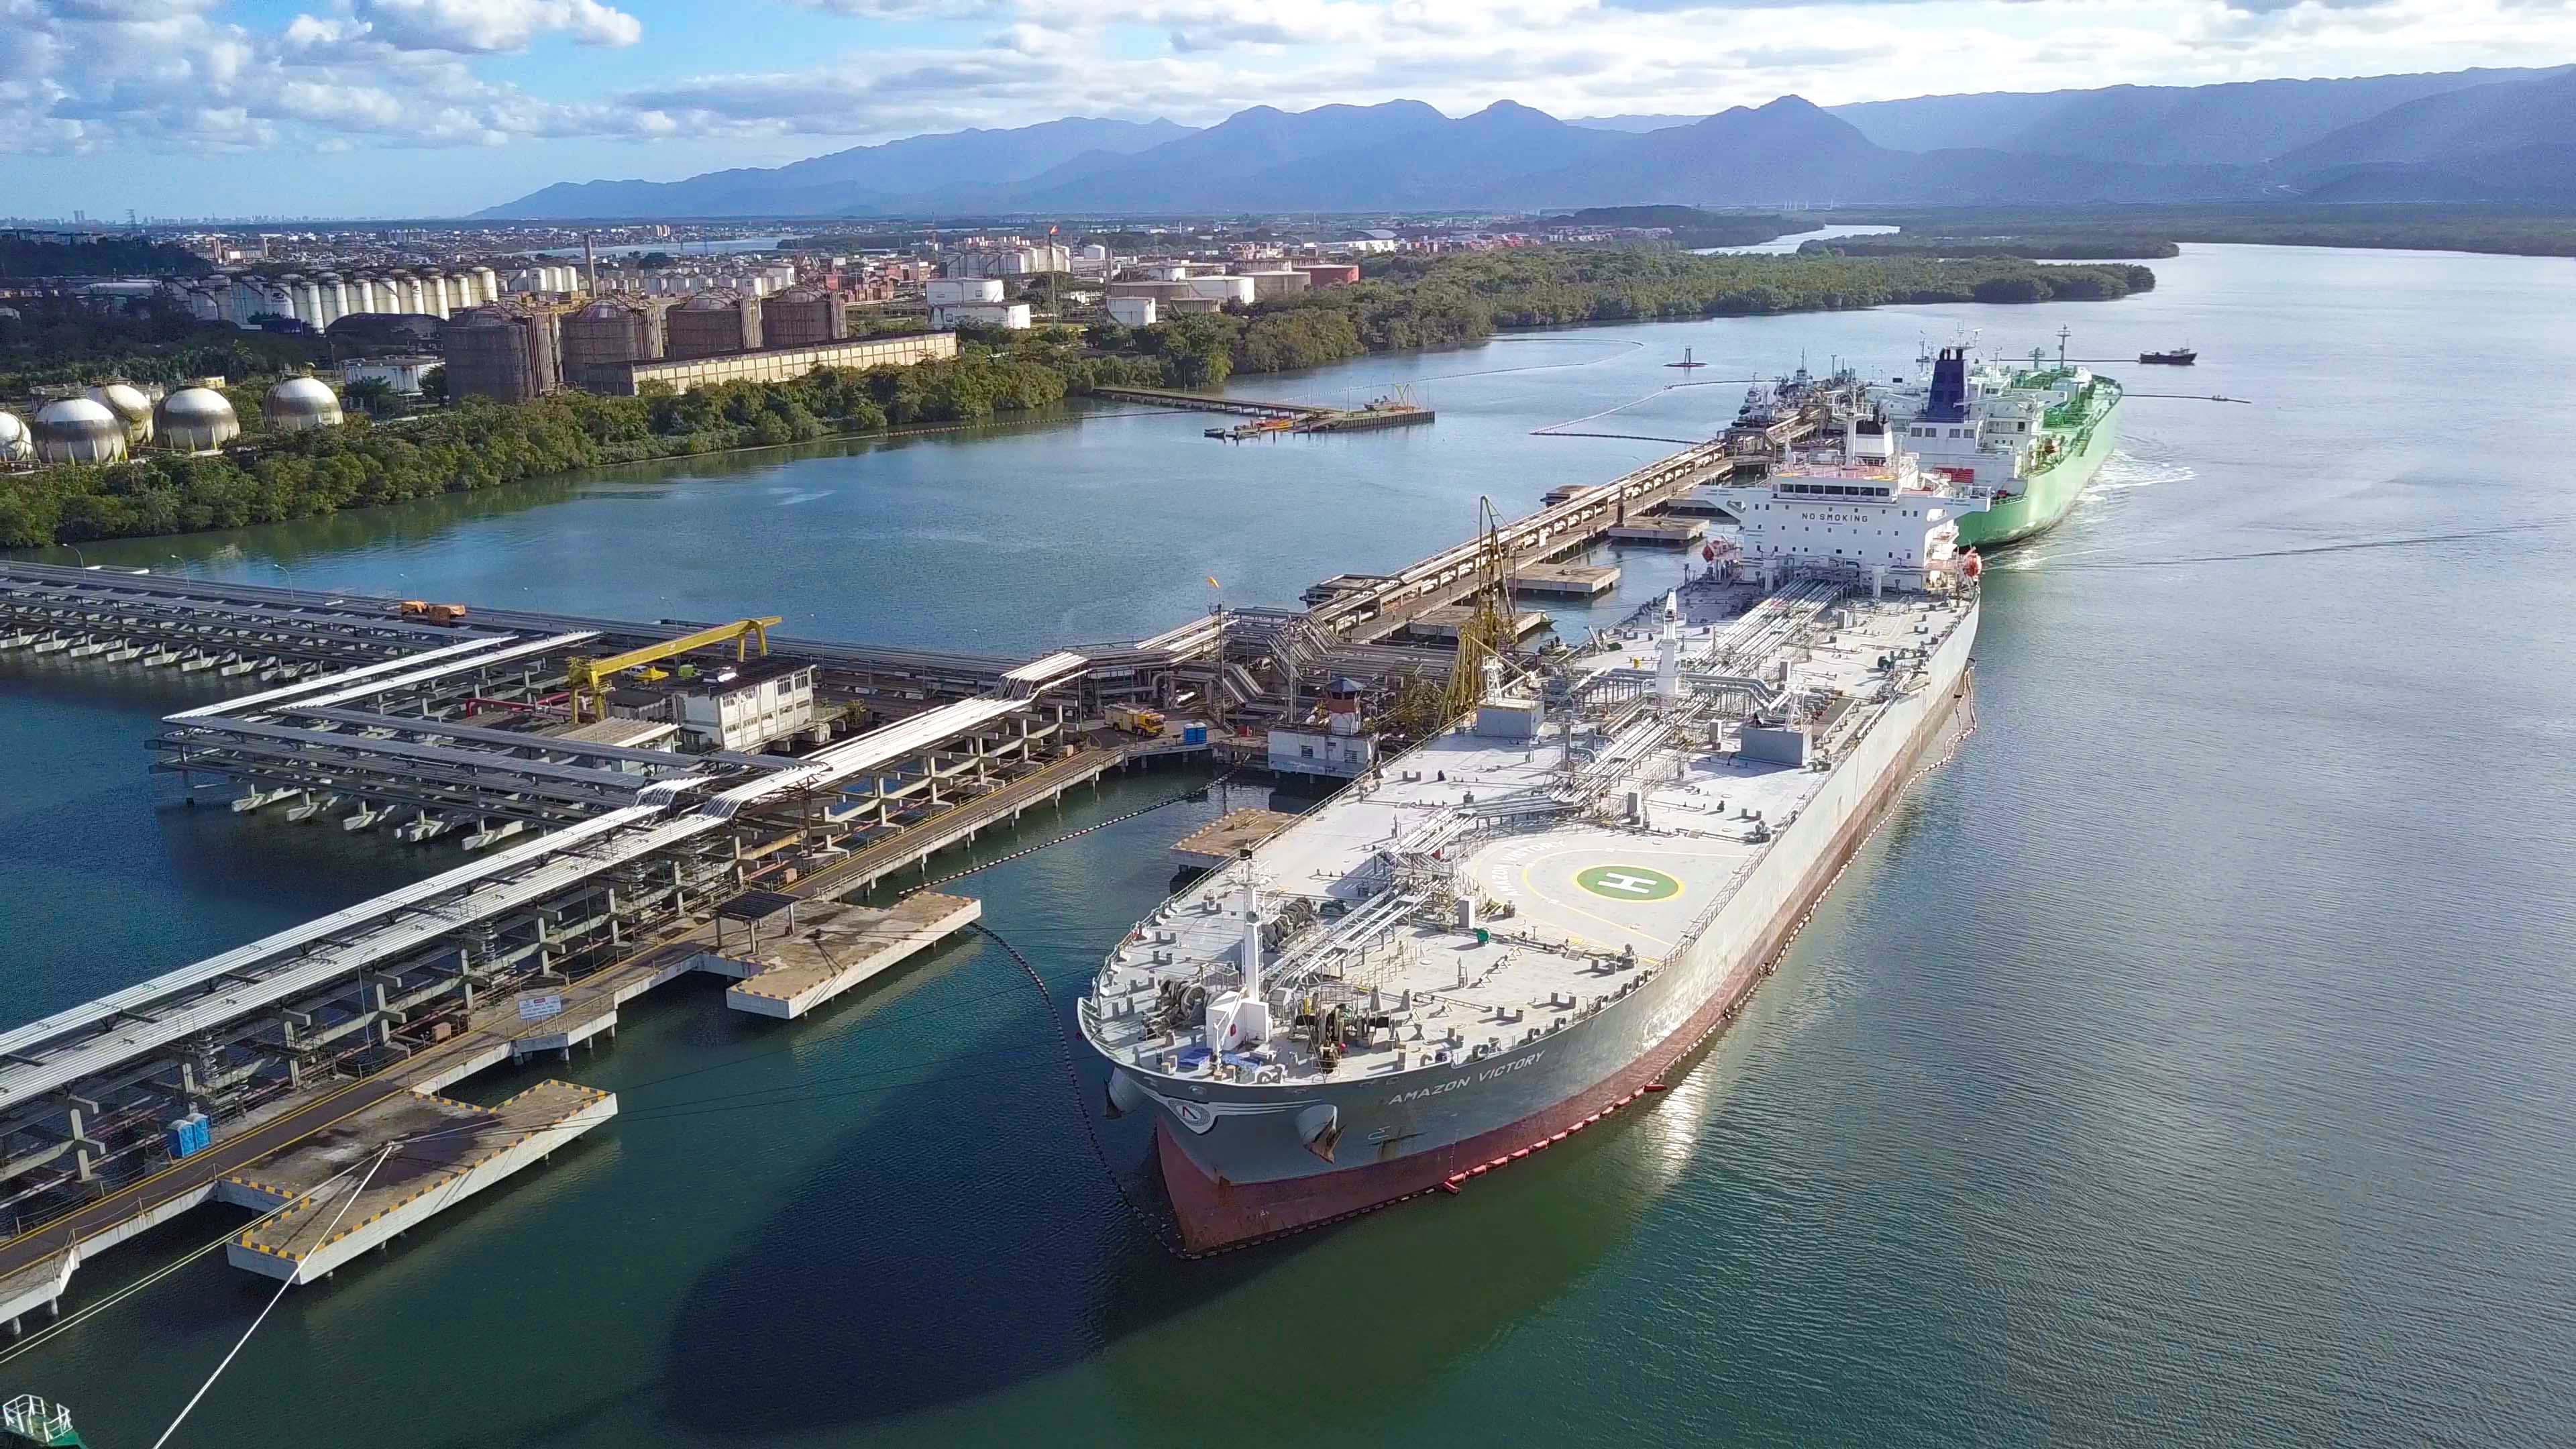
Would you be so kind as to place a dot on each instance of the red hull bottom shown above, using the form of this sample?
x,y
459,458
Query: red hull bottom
x,y
1217,1214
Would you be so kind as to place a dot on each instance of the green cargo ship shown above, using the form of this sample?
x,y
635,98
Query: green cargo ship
x,y
2037,436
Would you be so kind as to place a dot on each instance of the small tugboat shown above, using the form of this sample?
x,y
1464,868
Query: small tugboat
x,y
2179,357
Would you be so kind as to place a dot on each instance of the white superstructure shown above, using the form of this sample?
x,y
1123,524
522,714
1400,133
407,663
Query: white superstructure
x,y
1871,512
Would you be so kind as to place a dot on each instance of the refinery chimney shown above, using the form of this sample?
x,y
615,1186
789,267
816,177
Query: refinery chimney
x,y
589,266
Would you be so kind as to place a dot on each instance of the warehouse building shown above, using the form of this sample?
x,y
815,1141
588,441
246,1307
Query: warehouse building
x,y
772,364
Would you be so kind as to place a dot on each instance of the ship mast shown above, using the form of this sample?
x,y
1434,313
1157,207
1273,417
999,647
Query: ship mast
x,y
1251,926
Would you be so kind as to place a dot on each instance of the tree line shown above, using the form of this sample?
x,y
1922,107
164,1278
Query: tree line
x,y
107,256
269,478
55,340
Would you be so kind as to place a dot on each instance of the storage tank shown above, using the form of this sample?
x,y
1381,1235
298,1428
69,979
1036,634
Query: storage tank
x,y
602,335
78,430
301,404
803,317
133,410
15,445
495,353
712,323
198,419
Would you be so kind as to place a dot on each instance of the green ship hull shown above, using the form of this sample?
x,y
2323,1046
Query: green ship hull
x,y
2047,493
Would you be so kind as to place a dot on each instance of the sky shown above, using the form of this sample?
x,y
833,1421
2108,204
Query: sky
x,y
424,108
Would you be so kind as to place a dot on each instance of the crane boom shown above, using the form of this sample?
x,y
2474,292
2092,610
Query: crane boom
x,y
589,677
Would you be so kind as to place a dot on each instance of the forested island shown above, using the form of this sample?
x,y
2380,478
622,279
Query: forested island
x,y
2153,231
2030,246
1404,304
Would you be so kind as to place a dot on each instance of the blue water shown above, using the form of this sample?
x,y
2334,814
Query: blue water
x,y
2187,1062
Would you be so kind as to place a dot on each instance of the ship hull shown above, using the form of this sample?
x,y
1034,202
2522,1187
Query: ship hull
x,y
1236,1164
2048,495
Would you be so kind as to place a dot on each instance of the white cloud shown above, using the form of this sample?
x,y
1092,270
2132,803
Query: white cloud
x,y
486,26
172,75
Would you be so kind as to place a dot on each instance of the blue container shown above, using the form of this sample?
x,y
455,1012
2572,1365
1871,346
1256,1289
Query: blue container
x,y
1194,735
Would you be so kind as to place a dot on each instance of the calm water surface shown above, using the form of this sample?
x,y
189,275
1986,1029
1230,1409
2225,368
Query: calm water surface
x,y
2189,1060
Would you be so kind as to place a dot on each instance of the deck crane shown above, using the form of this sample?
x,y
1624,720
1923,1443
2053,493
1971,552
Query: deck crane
x,y
588,678
1487,633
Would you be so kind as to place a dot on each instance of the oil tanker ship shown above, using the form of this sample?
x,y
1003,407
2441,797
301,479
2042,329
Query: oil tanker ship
x,y
2036,436
1526,921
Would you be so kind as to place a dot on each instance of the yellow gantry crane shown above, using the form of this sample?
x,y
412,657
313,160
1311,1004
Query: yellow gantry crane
x,y
589,677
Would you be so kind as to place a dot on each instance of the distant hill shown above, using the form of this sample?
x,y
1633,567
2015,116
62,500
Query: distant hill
x,y
849,181
2459,136
1633,124
2239,124
2459,123
1791,150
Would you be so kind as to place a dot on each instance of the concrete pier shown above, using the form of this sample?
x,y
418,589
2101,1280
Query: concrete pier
x,y
833,947
1660,532
443,1152
1444,623
1565,581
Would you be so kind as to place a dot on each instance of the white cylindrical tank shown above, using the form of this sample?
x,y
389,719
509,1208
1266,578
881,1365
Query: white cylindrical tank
x,y
78,430
300,404
198,419
132,409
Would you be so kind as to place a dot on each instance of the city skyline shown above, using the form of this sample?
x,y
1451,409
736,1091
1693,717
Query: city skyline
x,y
400,108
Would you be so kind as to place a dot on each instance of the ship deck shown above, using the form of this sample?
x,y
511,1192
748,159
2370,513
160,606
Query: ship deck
x,y
1573,906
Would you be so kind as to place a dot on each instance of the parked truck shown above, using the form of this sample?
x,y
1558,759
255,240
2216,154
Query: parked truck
x,y
1130,720
433,613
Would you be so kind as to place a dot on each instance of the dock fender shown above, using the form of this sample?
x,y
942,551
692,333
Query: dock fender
x,y
1320,1128
1125,1095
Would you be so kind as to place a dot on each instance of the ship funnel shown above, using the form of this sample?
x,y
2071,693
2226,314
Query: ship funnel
x,y
1949,400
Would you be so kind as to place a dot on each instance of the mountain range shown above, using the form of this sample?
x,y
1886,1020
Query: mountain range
x,y
2479,135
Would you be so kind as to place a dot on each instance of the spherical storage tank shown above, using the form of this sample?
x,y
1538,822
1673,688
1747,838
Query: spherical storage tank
x,y
15,445
79,430
198,419
131,407
300,404
712,323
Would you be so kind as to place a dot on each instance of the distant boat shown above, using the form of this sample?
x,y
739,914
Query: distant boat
x,y
1687,360
2179,357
